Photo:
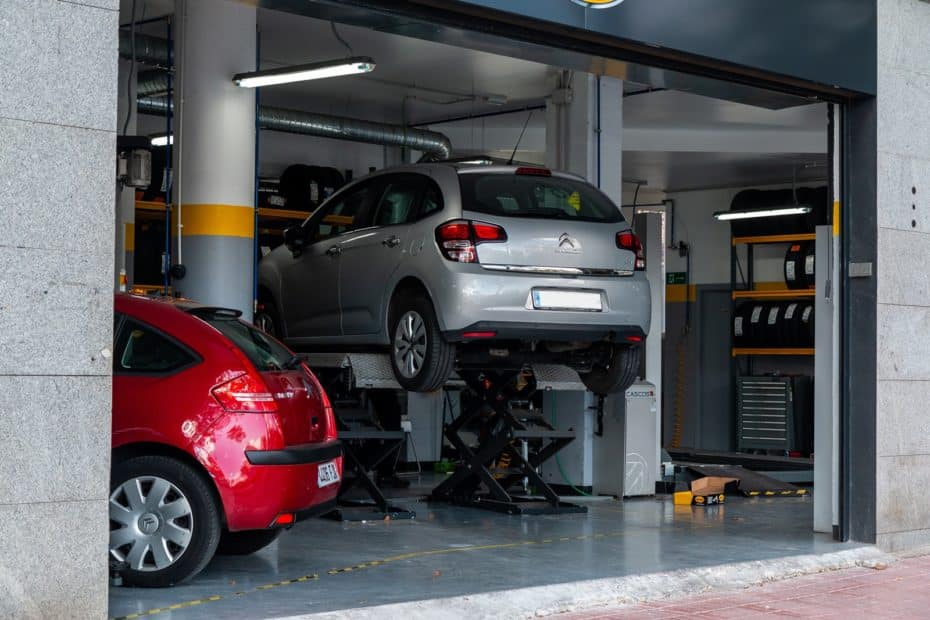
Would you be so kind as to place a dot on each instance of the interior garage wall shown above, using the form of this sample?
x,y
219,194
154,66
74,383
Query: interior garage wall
x,y
903,295
58,62
683,374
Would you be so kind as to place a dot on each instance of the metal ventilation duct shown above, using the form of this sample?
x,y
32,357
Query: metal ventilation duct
x,y
149,50
436,145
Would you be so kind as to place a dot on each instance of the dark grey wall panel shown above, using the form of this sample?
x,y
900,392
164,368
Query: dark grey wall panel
x,y
831,42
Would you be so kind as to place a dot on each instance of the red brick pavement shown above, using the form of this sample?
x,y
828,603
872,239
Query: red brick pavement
x,y
900,591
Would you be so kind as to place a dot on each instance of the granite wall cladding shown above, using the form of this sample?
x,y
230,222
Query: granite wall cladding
x,y
903,450
58,93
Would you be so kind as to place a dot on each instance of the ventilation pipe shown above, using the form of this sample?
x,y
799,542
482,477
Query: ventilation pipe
x,y
436,145
149,50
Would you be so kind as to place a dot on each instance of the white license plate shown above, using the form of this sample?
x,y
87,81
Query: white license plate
x,y
550,299
327,474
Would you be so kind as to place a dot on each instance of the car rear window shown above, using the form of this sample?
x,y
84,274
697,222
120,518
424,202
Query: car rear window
x,y
263,351
531,196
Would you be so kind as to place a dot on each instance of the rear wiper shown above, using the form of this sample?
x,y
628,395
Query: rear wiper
x,y
293,363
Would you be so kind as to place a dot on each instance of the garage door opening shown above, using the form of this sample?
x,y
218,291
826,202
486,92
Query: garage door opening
x,y
730,188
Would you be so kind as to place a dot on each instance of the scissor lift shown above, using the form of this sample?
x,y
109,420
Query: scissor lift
x,y
478,482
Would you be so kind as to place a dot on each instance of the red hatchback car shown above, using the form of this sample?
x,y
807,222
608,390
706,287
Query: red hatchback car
x,y
221,438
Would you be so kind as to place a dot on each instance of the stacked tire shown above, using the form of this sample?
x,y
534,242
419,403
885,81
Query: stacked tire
x,y
800,266
774,324
304,187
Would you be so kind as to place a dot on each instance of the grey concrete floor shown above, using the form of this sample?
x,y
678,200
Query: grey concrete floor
x,y
323,565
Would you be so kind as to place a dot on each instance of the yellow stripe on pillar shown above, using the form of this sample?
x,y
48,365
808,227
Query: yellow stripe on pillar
x,y
129,237
218,220
836,218
680,293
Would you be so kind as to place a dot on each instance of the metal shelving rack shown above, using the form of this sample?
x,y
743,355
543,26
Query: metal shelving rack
x,y
751,292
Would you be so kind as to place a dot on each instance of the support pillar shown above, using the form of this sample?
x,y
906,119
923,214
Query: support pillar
x,y
584,132
126,196
215,154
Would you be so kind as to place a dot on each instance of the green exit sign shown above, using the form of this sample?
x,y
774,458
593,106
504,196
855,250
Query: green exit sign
x,y
676,277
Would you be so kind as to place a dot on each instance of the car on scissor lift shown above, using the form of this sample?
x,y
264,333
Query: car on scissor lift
x,y
475,264
221,438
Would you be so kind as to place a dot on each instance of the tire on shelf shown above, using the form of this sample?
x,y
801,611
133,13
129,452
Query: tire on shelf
x,y
806,326
790,326
740,327
755,331
794,268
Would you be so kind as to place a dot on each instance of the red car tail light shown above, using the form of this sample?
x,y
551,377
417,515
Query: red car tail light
x,y
458,240
246,393
629,241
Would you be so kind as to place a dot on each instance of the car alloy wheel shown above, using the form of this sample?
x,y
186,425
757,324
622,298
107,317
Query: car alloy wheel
x,y
410,344
154,523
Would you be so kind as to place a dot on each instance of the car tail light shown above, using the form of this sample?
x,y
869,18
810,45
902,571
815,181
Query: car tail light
x,y
247,393
534,172
629,241
458,240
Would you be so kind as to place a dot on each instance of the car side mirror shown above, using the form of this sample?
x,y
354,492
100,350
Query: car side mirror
x,y
295,239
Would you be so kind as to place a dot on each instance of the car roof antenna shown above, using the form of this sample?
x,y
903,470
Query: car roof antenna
x,y
520,139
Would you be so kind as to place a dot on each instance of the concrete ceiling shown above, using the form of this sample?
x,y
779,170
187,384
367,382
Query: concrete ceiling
x,y
672,139
437,80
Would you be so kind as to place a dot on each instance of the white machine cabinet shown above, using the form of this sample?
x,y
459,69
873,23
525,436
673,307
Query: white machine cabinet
x,y
626,455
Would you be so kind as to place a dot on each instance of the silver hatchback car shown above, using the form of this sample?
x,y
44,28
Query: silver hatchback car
x,y
477,265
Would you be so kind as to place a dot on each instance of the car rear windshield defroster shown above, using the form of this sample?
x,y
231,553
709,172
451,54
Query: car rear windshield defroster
x,y
544,197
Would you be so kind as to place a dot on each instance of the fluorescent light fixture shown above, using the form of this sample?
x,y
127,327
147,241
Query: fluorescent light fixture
x,y
163,140
750,214
302,73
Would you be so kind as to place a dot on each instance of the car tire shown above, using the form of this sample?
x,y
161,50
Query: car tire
x,y
618,375
268,319
420,358
162,511
246,542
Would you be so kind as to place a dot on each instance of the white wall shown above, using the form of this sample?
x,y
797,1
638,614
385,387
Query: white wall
x,y
710,239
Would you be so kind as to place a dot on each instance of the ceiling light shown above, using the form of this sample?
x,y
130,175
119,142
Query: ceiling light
x,y
162,140
302,73
751,214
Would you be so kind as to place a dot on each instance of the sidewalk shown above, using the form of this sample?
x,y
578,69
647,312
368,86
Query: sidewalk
x,y
899,590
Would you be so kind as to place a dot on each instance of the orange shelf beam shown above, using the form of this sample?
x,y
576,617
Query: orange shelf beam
x,y
774,239
771,351
776,294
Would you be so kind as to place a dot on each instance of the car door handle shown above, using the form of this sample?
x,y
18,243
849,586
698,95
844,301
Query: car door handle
x,y
334,251
392,241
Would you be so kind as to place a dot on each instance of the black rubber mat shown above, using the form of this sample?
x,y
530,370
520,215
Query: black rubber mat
x,y
751,483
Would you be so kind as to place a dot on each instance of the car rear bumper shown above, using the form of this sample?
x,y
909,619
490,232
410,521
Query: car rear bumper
x,y
282,481
296,455
468,295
